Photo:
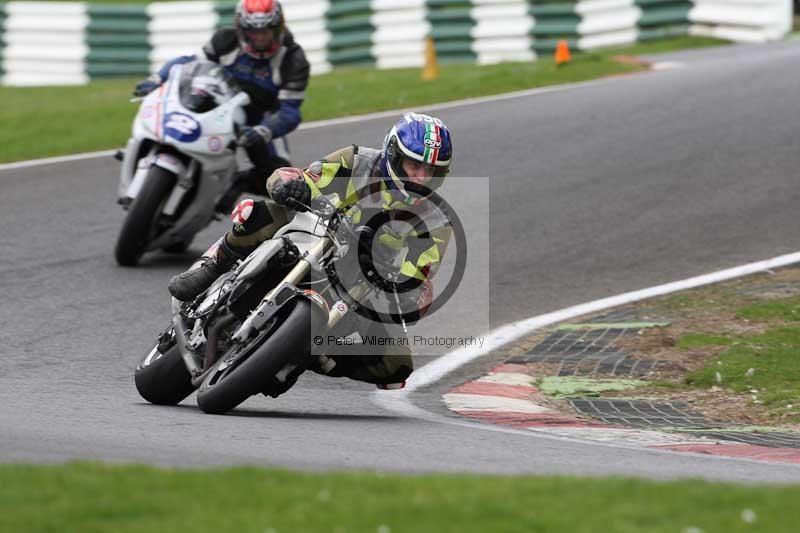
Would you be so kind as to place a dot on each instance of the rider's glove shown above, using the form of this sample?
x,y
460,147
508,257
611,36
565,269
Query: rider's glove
x,y
292,193
253,136
145,87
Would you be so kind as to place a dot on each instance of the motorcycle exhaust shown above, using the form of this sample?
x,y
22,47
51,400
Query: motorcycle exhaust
x,y
180,337
212,354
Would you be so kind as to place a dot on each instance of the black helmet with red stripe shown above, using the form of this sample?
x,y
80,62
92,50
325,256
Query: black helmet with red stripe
x,y
260,26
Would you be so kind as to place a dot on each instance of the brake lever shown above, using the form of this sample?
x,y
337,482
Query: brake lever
x,y
399,308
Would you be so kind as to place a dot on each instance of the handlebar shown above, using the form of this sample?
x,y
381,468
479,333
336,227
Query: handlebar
x,y
371,264
336,220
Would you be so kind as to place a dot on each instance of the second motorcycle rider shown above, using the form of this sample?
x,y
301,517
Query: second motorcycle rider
x,y
262,57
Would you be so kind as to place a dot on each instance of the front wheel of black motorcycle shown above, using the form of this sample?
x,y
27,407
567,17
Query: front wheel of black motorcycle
x,y
246,369
162,378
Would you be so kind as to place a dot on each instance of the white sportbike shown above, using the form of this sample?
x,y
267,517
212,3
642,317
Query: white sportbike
x,y
180,160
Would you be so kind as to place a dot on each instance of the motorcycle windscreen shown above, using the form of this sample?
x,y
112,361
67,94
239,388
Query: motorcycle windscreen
x,y
203,86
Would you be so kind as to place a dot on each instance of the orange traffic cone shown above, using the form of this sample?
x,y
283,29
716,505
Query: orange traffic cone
x,y
562,55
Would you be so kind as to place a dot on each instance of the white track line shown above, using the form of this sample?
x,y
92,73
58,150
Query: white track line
x,y
55,160
399,401
667,65
349,120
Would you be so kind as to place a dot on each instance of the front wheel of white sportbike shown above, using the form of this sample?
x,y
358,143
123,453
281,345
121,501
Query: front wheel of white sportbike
x,y
141,227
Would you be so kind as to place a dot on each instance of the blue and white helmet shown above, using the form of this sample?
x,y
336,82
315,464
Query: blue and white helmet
x,y
421,138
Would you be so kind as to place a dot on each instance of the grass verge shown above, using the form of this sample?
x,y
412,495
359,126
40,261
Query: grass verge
x,y
89,498
49,121
730,349
765,362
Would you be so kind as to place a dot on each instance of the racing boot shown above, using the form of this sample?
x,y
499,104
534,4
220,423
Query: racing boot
x,y
188,285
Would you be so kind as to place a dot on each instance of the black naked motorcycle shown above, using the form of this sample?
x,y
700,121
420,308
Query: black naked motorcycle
x,y
251,331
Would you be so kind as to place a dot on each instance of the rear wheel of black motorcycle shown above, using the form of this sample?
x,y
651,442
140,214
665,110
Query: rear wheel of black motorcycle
x,y
245,370
162,378
141,224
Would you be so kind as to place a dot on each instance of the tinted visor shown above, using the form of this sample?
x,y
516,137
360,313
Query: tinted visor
x,y
260,39
400,162
423,172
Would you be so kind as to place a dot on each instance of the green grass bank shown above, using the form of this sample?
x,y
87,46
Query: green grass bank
x,y
765,362
91,498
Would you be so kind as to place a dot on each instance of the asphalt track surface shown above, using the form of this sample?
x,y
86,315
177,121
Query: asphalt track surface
x,y
595,190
